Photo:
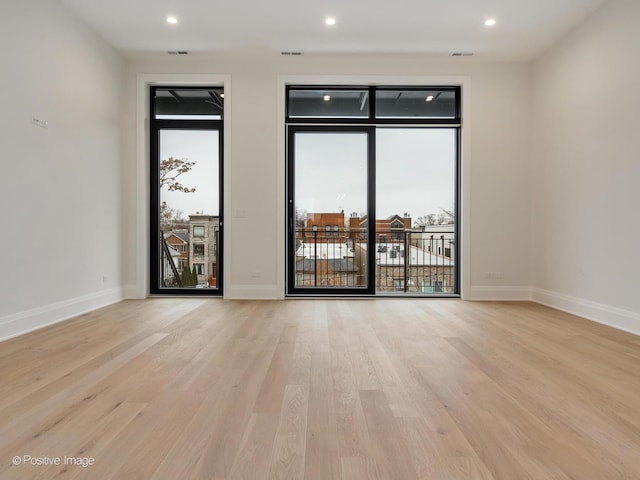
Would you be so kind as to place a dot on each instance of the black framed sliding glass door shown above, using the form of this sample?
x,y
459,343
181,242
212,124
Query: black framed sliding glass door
x,y
373,190
330,173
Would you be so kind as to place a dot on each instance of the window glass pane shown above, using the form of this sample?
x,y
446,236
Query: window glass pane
x,y
415,208
331,201
189,207
416,103
189,104
329,103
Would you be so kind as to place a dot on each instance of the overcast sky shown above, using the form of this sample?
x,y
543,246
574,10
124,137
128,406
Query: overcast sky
x,y
200,146
415,171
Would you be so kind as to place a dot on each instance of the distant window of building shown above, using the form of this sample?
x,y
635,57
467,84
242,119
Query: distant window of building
x,y
198,250
383,239
199,268
328,230
181,264
447,252
198,230
336,230
433,286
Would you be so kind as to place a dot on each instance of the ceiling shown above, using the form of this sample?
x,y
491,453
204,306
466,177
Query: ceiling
x,y
524,29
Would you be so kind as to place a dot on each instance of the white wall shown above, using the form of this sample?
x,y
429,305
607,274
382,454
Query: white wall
x,y
61,194
554,209
497,123
586,169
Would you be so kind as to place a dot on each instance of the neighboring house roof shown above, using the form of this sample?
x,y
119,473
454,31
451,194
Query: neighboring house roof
x,y
184,236
335,265
173,251
418,257
325,250
445,228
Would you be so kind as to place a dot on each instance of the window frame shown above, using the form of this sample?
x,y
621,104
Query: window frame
x,y
291,261
371,119
372,124
155,126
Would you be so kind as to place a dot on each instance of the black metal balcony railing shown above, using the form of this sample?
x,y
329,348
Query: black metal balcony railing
x,y
406,260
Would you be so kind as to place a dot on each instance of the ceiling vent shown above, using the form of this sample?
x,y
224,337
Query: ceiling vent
x,y
178,52
462,54
294,54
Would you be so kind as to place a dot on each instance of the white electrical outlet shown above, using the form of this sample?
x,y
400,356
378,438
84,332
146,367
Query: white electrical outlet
x,y
494,275
40,122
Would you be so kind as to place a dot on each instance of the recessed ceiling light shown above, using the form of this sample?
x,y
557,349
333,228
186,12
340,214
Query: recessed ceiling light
x,y
490,22
429,98
326,98
330,21
172,20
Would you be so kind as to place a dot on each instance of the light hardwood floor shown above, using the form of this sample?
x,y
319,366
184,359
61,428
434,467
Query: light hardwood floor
x,y
309,389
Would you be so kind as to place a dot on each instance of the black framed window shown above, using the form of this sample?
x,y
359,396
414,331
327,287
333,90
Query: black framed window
x,y
343,103
413,136
186,194
432,104
181,103
373,105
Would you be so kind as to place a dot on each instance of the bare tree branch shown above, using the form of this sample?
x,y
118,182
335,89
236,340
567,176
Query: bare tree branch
x,y
171,169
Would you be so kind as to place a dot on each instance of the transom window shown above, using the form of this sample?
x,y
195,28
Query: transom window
x,y
355,104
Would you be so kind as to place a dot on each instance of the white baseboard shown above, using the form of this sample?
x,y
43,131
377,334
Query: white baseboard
x,y
36,318
253,292
498,293
615,317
